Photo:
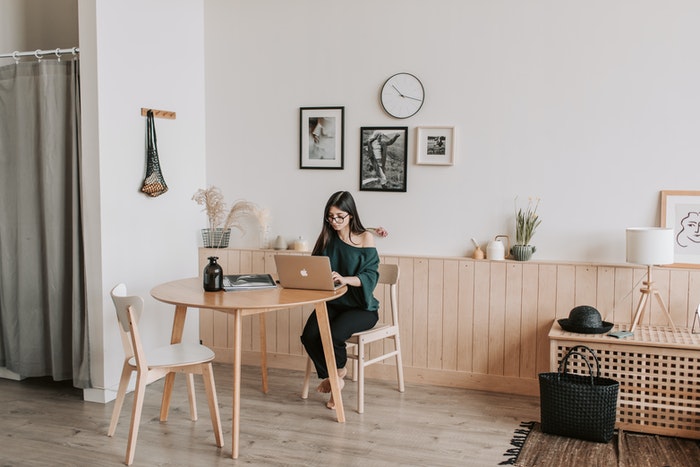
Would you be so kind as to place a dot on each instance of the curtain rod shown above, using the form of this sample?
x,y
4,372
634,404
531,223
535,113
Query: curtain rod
x,y
41,53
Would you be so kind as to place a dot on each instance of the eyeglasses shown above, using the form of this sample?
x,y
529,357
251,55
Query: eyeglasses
x,y
337,219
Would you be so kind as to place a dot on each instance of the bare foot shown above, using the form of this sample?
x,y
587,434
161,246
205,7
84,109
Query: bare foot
x,y
325,386
331,404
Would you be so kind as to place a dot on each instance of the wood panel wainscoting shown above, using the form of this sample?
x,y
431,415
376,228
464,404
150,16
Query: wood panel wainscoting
x,y
475,324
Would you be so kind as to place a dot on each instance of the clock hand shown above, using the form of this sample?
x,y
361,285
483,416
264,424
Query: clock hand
x,y
405,96
397,91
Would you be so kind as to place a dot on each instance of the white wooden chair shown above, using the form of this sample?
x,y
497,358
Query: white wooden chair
x,y
389,275
181,358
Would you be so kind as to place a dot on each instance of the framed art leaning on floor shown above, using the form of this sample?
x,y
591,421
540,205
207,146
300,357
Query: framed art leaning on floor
x,y
383,157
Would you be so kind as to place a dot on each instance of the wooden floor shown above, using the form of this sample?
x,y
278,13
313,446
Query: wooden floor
x,y
48,424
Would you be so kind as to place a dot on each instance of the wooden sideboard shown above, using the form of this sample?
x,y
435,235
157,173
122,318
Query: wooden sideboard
x,y
468,323
658,371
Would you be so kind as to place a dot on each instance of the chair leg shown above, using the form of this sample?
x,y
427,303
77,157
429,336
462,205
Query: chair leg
x,y
167,394
354,363
307,379
121,394
191,396
139,393
399,363
210,387
360,377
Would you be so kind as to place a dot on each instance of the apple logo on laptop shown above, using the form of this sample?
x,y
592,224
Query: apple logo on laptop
x,y
304,273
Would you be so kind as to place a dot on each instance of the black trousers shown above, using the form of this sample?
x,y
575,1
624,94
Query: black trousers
x,y
344,323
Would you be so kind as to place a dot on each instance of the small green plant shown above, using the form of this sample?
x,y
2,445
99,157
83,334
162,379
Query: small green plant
x,y
526,221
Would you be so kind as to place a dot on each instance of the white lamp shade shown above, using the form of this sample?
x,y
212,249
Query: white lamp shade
x,y
649,245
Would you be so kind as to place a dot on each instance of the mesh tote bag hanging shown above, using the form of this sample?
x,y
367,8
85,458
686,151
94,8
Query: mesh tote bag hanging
x,y
577,405
154,183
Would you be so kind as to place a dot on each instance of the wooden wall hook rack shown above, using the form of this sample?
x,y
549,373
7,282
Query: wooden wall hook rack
x,y
158,113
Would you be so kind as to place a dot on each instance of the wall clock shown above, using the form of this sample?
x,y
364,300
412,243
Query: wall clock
x,y
402,95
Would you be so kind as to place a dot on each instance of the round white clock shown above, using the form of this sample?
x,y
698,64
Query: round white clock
x,y
402,95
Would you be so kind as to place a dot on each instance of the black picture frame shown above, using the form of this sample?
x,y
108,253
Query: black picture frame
x,y
383,158
322,138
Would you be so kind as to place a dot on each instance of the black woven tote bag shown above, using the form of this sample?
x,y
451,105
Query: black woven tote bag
x,y
578,406
154,183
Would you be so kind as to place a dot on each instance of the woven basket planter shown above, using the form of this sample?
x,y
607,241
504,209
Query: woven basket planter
x,y
216,238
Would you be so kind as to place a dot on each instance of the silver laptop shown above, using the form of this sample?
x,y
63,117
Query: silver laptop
x,y
305,272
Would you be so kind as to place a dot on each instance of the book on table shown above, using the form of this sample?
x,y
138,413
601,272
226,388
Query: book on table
x,y
233,282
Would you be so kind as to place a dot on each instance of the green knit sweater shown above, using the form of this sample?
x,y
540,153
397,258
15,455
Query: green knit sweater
x,y
348,260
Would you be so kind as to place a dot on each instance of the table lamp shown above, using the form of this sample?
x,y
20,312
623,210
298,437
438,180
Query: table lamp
x,y
650,246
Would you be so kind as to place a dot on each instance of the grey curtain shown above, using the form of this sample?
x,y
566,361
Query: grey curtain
x,y
43,319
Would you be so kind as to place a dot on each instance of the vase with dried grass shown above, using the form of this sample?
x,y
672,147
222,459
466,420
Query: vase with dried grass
x,y
218,234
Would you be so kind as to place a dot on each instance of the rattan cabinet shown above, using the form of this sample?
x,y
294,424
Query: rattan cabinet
x,y
658,371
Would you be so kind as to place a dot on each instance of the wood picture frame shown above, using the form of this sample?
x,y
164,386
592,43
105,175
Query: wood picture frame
x,y
383,158
680,210
322,138
435,145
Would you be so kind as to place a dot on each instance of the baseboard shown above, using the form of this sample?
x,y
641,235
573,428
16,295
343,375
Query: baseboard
x,y
101,396
386,371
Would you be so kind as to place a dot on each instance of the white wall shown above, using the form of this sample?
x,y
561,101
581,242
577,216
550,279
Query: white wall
x,y
591,106
37,24
138,54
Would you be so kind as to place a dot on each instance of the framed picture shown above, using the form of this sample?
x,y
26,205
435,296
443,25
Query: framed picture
x,y
435,145
322,137
383,157
680,210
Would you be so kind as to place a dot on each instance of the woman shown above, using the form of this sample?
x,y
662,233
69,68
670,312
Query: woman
x,y
355,263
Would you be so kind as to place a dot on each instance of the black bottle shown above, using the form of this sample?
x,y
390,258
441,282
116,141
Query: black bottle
x,y
213,275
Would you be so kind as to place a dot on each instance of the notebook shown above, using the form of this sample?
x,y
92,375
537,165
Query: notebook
x,y
305,272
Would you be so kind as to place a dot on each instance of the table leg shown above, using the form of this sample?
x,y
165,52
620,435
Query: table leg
x,y
175,338
263,352
235,431
325,329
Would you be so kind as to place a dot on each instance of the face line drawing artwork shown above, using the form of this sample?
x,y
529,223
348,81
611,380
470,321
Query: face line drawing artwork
x,y
690,230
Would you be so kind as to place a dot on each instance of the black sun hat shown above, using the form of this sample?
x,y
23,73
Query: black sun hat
x,y
585,319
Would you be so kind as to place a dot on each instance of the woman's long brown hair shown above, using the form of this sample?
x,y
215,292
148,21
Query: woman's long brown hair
x,y
344,201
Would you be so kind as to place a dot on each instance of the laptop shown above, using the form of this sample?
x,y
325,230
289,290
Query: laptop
x,y
305,272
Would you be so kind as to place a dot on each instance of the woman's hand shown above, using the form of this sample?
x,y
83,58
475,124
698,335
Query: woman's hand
x,y
352,281
379,231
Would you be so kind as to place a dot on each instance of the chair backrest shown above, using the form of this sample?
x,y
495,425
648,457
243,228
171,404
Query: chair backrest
x,y
389,275
129,309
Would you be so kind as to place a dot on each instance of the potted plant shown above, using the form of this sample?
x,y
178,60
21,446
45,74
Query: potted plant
x,y
218,233
526,222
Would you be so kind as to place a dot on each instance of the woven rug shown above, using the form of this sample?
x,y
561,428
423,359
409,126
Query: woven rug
x,y
533,448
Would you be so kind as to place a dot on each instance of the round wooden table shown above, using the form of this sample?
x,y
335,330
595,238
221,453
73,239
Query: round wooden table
x,y
189,293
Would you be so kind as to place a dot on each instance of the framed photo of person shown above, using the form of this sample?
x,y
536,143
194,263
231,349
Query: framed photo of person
x,y
383,158
435,145
680,210
321,137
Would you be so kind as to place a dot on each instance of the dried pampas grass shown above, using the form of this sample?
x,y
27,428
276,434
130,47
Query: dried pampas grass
x,y
213,201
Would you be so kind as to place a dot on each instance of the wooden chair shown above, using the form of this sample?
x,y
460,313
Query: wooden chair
x,y
181,358
389,275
